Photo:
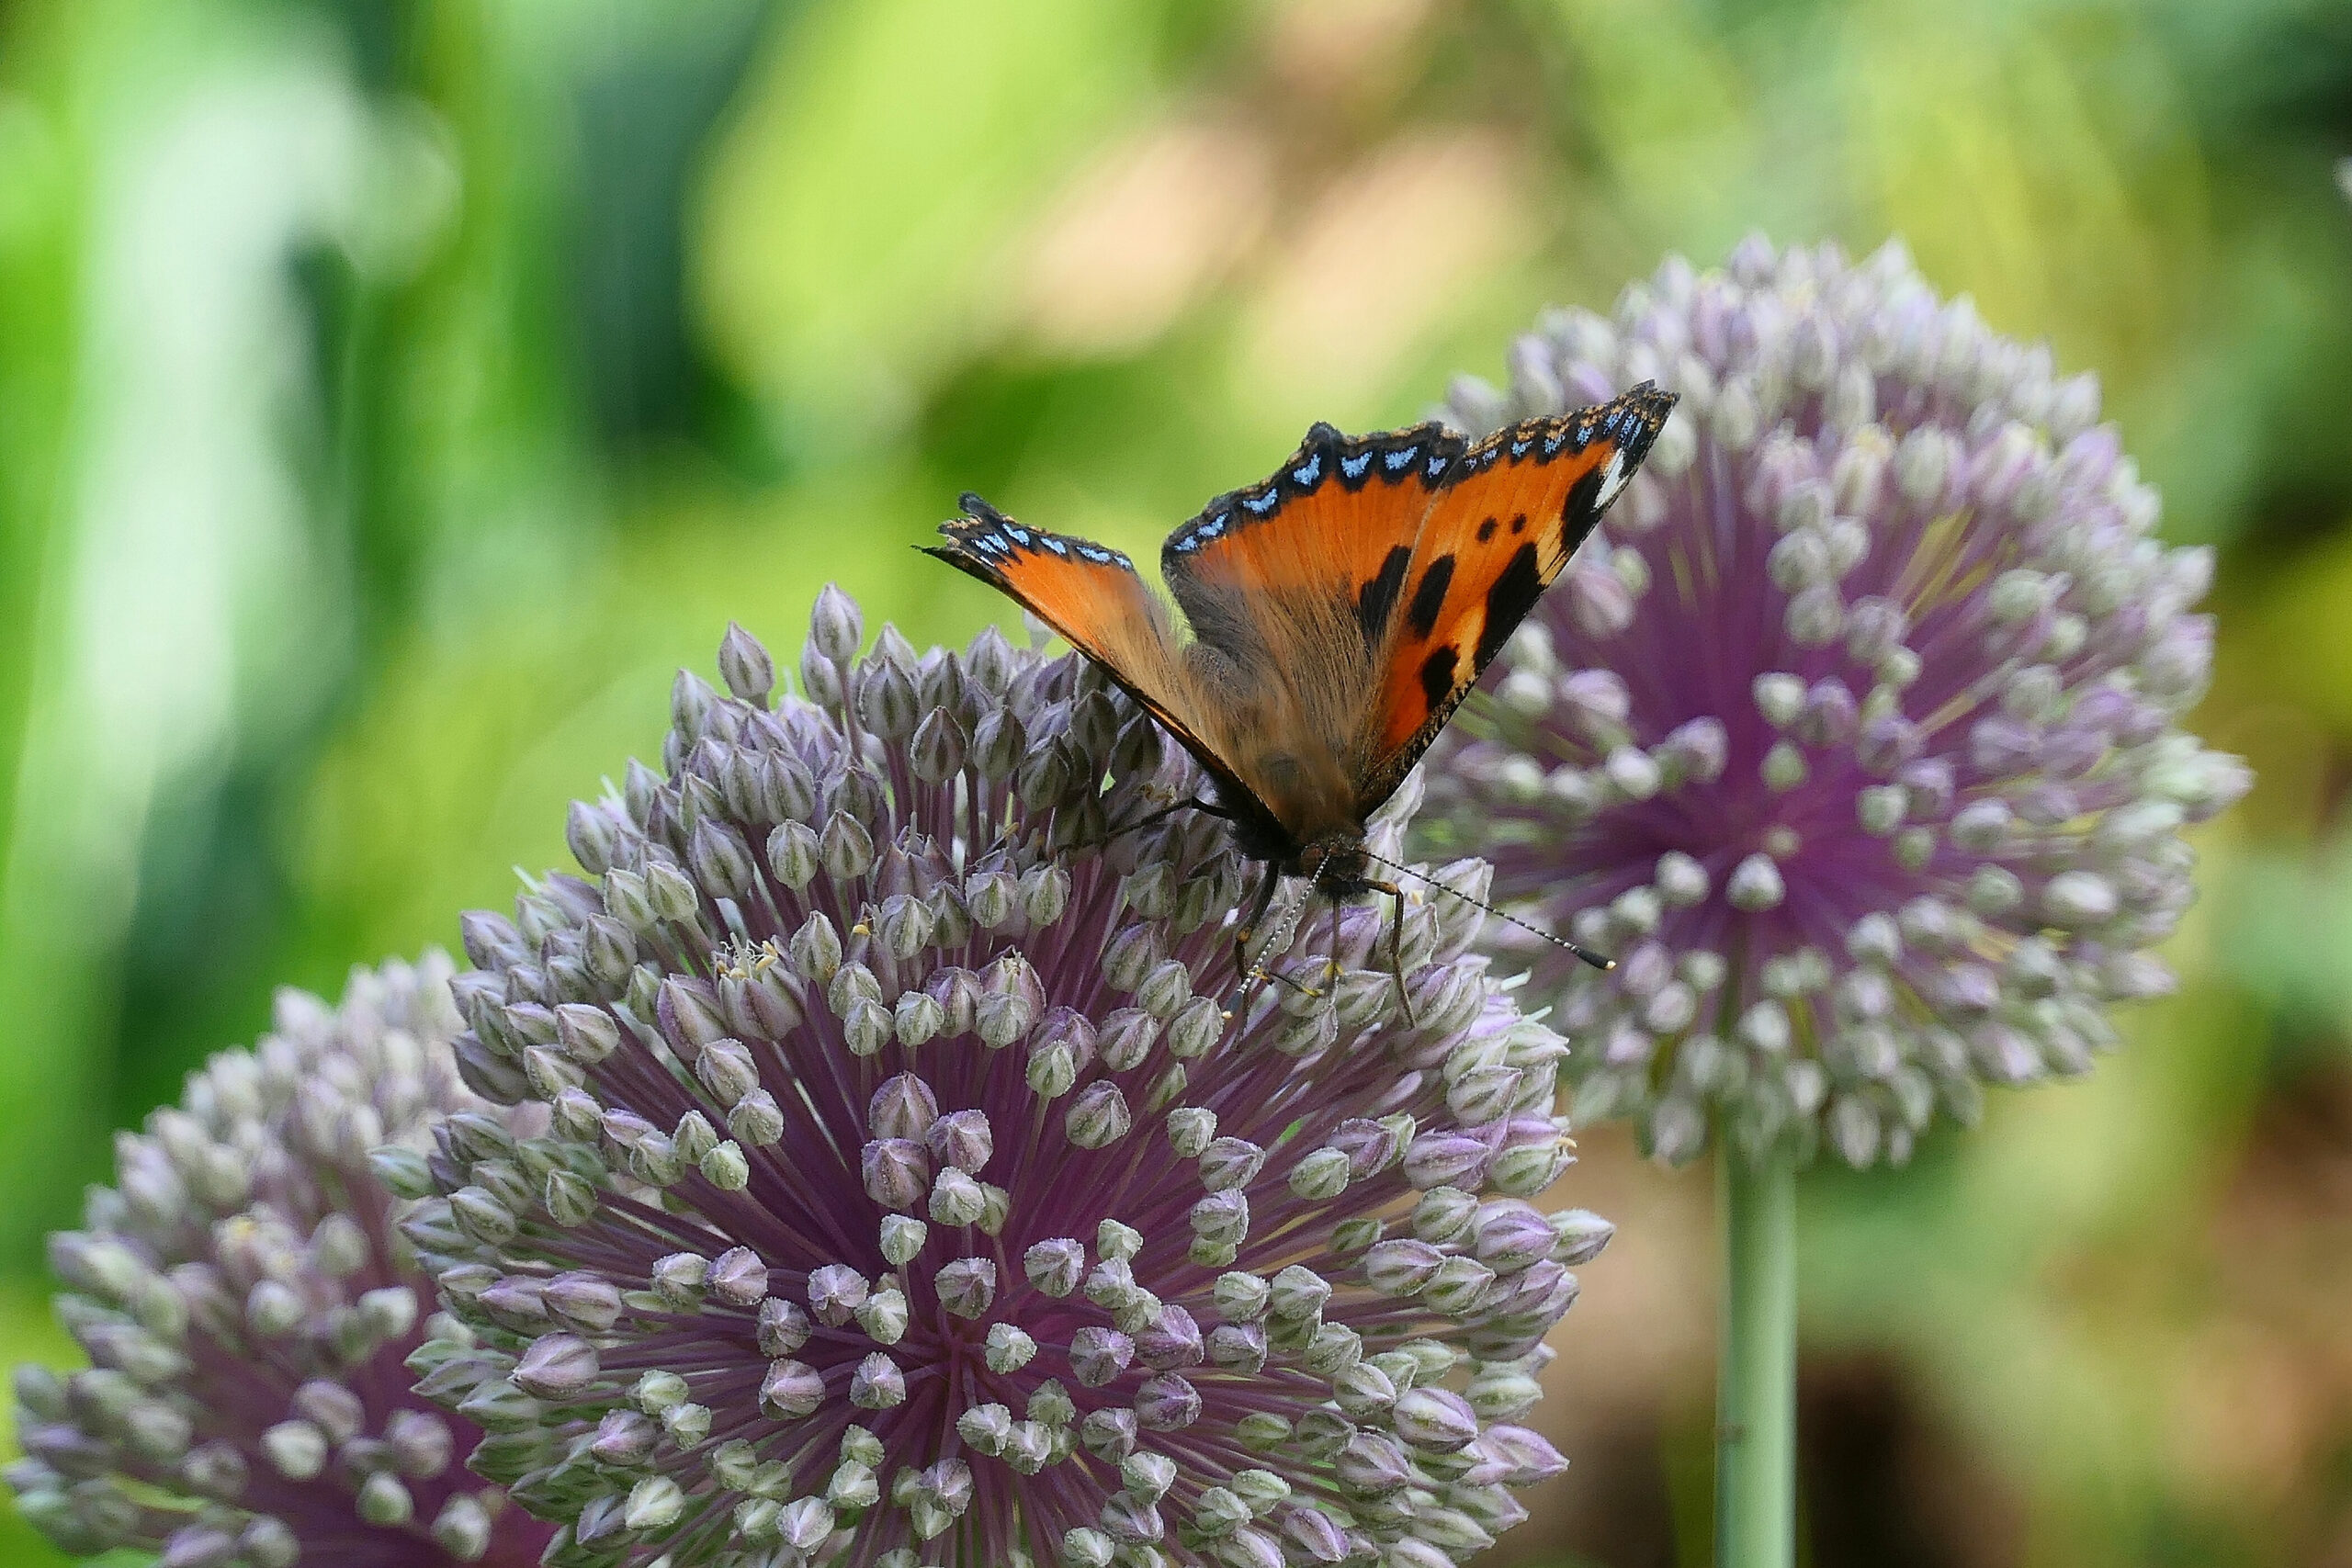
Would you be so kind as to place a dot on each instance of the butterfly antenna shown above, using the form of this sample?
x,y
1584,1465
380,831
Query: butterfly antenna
x,y
1597,960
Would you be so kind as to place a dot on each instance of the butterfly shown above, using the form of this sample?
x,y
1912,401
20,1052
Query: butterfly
x,y
1337,613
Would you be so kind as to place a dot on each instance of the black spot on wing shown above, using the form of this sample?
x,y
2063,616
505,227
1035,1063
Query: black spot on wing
x,y
1430,597
1487,530
1580,512
1509,599
1519,523
1377,597
1437,676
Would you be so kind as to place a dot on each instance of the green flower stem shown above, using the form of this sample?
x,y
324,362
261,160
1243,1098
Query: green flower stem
x,y
1755,1417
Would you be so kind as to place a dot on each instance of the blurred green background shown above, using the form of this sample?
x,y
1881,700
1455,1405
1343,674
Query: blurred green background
x,y
393,394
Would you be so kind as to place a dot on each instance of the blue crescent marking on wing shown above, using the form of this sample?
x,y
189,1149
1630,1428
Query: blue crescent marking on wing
x,y
1262,504
1354,466
1308,472
1436,464
1019,535
1554,442
1396,462
1052,543
1518,447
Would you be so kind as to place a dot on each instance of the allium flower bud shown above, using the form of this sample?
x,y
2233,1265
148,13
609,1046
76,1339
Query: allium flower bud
x,y
1027,1252
748,672
1854,736
247,1305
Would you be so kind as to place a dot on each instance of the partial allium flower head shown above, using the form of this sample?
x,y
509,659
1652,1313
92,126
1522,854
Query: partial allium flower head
x,y
247,1305
911,1197
1856,739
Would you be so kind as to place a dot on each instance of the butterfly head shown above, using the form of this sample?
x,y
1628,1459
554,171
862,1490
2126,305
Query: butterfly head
x,y
1337,867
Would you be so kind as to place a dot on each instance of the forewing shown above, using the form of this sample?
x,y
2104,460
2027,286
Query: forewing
x,y
1504,519
1289,587
1091,595
1335,522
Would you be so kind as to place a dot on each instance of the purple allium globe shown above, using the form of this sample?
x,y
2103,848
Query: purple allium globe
x,y
247,1305
910,1198
1856,739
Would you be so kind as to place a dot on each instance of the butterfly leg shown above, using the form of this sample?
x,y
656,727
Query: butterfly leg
x,y
1331,964
1396,949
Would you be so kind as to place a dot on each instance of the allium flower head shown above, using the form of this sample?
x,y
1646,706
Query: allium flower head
x,y
247,1305
909,1197
1856,741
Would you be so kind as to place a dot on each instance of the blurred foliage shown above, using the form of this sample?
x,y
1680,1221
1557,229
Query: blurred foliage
x,y
392,394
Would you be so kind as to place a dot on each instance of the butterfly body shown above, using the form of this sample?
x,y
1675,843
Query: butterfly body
x,y
1338,612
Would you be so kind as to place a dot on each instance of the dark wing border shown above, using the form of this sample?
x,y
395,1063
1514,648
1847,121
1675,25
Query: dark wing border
x,y
1424,451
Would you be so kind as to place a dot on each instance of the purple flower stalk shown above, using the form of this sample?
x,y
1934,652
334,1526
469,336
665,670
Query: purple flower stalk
x,y
246,1306
1857,740
910,1198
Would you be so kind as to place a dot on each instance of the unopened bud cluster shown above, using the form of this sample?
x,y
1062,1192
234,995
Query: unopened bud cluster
x,y
909,1196
247,1306
1855,736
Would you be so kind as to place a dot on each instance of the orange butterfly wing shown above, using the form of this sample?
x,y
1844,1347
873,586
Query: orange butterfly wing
x,y
1506,518
1334,523
1289,587
1092,597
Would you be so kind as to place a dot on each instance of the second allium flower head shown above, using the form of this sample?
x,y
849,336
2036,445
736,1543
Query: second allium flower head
x,y
909,1197
246,1306
1860,747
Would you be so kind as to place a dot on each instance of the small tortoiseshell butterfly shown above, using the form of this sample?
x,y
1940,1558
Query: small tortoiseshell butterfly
x,y
1339,611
